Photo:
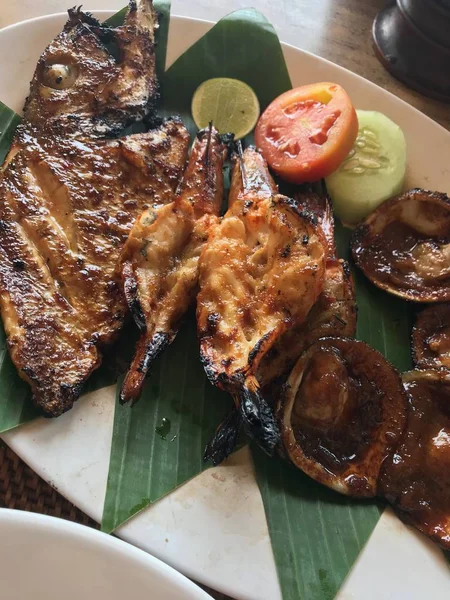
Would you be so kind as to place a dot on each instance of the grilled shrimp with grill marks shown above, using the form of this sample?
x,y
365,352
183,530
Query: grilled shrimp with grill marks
x,y
160,258
334,314
70,194
261,271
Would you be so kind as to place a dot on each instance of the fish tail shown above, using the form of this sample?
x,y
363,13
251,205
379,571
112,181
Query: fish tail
x,y
148,349
257,417
225,439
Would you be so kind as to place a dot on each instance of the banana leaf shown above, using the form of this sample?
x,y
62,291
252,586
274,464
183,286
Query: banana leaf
x,y
158,444
316,534
145,464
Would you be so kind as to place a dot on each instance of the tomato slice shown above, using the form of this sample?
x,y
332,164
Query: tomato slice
x,y
306,133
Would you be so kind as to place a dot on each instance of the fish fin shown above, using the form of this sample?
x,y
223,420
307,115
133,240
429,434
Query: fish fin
x,y
78,16
142,15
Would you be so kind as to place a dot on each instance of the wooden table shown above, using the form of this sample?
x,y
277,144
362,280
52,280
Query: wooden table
x,y
339,30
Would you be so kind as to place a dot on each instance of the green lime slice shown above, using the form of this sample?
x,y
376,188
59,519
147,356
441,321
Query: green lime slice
x,y
230,104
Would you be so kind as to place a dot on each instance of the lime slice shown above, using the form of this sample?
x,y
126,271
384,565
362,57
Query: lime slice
x,y
230,104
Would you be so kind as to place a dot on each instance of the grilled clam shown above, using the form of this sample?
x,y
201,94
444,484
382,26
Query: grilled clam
x,y
403,247
416,479
160,258
341,413
260,273
431,338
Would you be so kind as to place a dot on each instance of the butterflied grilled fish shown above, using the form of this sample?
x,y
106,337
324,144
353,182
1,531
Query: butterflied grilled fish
x,y
70,195
261,271
160,258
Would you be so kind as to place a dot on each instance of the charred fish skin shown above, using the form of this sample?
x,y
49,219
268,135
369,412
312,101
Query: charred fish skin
x,y
81,89
160,258
247,292
69,197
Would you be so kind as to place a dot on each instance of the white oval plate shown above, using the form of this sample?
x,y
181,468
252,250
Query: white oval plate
x,y
213,528
64,560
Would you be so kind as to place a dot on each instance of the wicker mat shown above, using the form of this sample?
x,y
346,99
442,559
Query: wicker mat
x,y
22,489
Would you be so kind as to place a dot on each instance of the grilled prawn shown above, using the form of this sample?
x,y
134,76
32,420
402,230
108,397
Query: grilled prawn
x,y
160,258
70,194
261,271
334,314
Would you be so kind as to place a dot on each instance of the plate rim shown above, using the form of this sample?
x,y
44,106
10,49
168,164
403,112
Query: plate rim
x,y
151,564
292,48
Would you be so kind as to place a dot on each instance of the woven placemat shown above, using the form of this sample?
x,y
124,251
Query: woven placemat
x,y
21,488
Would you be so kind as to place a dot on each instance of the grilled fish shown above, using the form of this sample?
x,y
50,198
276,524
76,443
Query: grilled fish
x,y
70,194
160,258
261,271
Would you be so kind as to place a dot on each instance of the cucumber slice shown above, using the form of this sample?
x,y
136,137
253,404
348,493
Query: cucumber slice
x,y
373,171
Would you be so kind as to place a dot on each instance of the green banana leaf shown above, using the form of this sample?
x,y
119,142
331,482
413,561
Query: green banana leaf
x,y
317,534
158,444
144,466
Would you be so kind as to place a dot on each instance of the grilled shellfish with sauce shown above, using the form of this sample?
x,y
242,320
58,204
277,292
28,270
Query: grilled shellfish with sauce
x,y
341,414
70,194
416,478
431,338
160,258
403,247
261,271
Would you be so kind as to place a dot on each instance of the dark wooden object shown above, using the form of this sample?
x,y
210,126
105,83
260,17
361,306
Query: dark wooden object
x,y
412,40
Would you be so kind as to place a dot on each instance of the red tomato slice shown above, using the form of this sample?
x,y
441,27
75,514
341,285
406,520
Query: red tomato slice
x,y
307,132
